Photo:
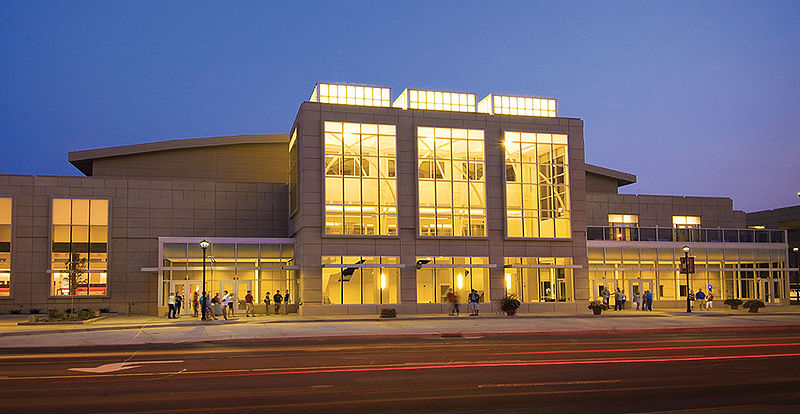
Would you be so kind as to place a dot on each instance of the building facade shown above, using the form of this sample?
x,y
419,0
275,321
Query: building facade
x,y
371,203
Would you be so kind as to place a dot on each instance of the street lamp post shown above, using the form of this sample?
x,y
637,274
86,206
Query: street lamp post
x,y
204,245
688,302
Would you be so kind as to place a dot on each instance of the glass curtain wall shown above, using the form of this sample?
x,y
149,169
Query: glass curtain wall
x,y
539,284
373,284
456,274
79,247
537,185
731,273
235,267
452,188
5,246
360,179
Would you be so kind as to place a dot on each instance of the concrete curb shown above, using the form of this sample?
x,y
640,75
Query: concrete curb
x,y
191,323
468,334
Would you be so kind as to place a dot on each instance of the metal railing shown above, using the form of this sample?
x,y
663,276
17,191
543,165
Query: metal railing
x,y
669,234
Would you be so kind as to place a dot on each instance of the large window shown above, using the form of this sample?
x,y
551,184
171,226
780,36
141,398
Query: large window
x,y
5,246
729,272
539,279
360,280
686,222
537,185
260,266
80,247
360,179
452,188
439,275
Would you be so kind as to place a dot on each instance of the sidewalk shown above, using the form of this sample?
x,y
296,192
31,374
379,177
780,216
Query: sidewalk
x,y
132,330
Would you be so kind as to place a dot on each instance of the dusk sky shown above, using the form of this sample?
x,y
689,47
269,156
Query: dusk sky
x,y
695,98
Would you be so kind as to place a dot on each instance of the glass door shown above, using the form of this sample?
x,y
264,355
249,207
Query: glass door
x,y
605,284
770,291
186,289
242,286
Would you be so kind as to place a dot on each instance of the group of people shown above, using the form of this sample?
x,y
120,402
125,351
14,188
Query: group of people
x,y
473,302
209,308
703,301
174,302
277,298
642,301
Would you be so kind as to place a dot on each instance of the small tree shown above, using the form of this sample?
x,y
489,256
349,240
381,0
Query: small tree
x,y
76,269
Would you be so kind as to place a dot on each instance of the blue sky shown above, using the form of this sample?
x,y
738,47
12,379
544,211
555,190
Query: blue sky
x,y
695,98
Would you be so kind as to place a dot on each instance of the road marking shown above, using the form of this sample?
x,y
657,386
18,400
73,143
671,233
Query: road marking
x,y
540,384
265,371
668,348
119,366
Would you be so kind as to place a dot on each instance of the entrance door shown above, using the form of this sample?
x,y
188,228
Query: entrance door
x,y
603,284
770,291
185,288
238,290
638,287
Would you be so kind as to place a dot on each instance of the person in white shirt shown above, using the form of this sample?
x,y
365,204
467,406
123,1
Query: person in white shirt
x,y
171,304
225,299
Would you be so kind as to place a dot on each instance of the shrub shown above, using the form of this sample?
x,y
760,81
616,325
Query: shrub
x,y
754,303
16,311
733,302
69,311
84,314
34,311
55,314
509,304
105,310
388,313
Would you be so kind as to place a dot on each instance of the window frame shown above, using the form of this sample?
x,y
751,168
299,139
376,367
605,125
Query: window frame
x,y
568,171
435,164
10,250
323,190
52,271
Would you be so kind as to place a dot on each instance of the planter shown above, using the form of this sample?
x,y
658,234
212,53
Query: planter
x,y
734,306
510,311
597,311
753,309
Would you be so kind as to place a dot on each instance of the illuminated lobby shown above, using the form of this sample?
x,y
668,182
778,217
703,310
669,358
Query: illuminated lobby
x,y
371,201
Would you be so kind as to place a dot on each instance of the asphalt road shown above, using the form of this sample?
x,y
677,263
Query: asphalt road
x,y
702,372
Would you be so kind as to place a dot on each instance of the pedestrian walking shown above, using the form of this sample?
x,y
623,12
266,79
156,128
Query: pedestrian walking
x,y
225,299
286,302
649,299
249,307
691,300
277,298
700,297
624,300
709,300
617,300
452,299
474,298
266,303
171,305
605,294
637,299
195,303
